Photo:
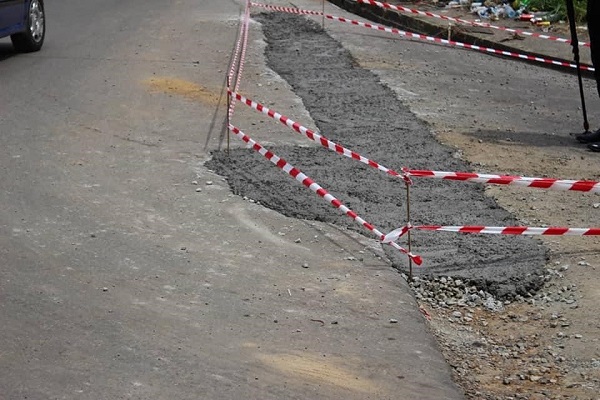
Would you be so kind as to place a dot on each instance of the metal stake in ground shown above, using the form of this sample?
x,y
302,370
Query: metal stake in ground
x,y
575,45
410,277
323,21
228,111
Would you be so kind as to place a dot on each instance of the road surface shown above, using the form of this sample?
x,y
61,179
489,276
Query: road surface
x,y
130,271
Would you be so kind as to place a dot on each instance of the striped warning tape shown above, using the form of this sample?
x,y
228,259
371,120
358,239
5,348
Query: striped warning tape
x,y
467,22
495,230
323,141
236,55
312,185
239,57
291,10
514,230
234,63
537,183
452,43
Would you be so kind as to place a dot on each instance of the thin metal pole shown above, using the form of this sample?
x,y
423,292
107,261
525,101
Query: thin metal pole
x,y
575,45
228,111
323,20
410,267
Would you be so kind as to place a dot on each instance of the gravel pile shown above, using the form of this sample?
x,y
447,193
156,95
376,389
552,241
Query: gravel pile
x,y
446,291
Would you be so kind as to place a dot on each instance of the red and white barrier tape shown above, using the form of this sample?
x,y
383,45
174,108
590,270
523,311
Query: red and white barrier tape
x,y
467,22
240,55
236,55
495,230
312,185
539,183
514,230
291,10
244,46
323,141
446,42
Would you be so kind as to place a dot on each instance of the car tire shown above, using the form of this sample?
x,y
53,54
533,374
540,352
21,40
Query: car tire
x,y
32,38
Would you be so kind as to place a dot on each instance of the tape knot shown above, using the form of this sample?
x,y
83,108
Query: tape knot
x,y
396,233
406,176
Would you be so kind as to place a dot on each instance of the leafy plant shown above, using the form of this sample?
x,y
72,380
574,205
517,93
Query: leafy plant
x,y
559,7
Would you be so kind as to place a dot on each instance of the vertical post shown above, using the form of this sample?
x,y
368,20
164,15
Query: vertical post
x,y
228,120
410,266
323,17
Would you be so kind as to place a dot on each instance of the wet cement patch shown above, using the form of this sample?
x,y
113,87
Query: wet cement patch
x,y
353,108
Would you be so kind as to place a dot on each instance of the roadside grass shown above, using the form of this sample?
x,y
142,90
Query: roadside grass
x,y
559,8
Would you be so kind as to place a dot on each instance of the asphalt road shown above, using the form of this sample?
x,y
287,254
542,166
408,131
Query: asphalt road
x,y
129,271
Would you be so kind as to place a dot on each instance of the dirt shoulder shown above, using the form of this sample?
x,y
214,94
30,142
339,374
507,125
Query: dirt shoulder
x,y
544,346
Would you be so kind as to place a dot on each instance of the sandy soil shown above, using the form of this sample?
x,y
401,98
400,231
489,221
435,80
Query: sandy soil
x,y
557,340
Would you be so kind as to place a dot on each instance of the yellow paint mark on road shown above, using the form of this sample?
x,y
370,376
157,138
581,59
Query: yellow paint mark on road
x,y
189,90
319,370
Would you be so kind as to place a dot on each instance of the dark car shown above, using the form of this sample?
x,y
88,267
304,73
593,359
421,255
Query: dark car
x,y
24,22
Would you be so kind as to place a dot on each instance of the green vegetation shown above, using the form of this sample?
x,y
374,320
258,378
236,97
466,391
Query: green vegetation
x,y
559,7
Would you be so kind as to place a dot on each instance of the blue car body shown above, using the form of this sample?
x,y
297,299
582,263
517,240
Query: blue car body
x,y
13,16
24,22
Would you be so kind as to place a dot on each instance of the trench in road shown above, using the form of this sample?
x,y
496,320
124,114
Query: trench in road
x,y
352,107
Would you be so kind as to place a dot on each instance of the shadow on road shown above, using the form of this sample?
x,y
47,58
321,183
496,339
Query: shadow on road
x,y
536,139
6,51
